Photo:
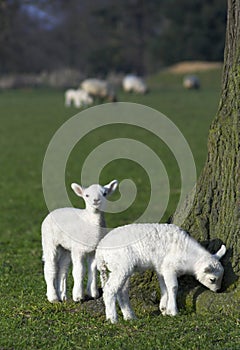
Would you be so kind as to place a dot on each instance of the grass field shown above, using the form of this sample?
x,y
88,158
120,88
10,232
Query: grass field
x,y
29,119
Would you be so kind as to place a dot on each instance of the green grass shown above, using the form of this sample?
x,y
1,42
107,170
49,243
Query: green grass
x,y
28,120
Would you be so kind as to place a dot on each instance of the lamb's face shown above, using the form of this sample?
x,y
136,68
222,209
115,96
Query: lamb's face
x,y
211,274
95,195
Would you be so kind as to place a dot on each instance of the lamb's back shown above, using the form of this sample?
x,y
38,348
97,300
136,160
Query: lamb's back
x,y
146,234
142,246
71,226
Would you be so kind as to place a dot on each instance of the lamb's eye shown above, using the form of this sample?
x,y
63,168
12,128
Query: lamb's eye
x,y
104,194
87,195
212,280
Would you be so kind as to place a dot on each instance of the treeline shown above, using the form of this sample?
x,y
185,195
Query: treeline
x,y
98,36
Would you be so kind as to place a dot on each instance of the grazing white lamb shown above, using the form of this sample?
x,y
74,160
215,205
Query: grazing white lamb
x,y
98,88
79,98
133,83
70,234
167,249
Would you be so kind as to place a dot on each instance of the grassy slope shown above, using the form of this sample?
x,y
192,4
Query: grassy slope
x,y
28,321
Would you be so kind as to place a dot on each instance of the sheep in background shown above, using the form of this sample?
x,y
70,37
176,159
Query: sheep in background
x,y
73,234
132,83
99,89
79,98
167,249
191,82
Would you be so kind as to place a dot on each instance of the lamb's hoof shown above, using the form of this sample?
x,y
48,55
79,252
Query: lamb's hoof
x,y
163,311
54,301
63,298
171,313
78,299
94,294
130,317
112,320
52,298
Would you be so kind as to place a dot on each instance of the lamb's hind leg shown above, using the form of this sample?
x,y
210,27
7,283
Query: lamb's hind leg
x,y
92,290
63,266
124,302
164,295
110,291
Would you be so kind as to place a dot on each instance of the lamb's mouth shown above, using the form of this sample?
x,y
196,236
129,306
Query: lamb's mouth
x,y
97,207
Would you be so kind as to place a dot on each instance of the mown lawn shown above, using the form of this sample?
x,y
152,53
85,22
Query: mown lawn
x,y
28,120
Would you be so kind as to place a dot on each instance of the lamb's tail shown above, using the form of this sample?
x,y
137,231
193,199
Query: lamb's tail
x,y
102,268
104,273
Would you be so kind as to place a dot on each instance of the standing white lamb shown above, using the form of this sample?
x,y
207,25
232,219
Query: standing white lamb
x,y
133,83
98,88
79,98
167,249
73,234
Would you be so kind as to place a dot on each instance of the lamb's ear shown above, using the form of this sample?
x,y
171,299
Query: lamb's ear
x,y
221,252
77,189
111,187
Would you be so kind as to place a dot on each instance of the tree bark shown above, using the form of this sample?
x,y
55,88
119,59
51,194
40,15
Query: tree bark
x,y
215,214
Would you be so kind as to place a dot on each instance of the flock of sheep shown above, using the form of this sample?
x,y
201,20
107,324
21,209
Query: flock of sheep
x,y
94,89
80,235
99,90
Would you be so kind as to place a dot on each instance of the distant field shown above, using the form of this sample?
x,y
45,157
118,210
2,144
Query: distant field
x,y
28,120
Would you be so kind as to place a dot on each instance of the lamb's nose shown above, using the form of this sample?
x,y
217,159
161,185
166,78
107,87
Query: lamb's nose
x,y
96,201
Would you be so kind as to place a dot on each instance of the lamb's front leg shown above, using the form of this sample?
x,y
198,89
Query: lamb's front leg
x,y
50,274
63,263
78,272
92,290
171,283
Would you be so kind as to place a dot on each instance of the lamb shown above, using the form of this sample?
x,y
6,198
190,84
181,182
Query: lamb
x,y
133,83
100,89
71,234
79,98
166,248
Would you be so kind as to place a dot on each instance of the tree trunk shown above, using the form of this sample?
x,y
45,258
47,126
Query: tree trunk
x,y
216,210
215,214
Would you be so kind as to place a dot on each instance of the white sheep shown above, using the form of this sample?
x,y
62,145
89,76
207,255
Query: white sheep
x,y
191,82
167,249
70,234
79,98
133,83
98,88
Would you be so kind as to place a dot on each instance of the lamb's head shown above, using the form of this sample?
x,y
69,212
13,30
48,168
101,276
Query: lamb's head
x,y
210,270
95,195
